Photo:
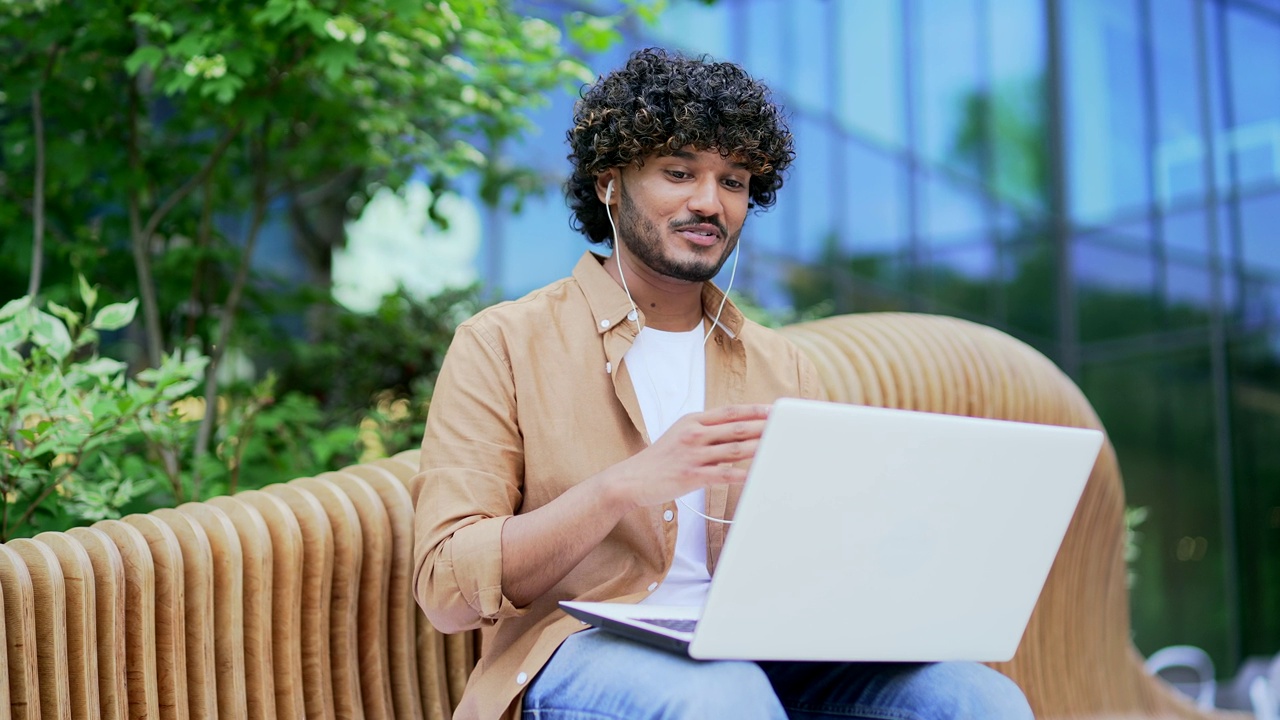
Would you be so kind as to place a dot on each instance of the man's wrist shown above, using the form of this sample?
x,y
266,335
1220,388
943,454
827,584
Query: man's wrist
x,y
615,491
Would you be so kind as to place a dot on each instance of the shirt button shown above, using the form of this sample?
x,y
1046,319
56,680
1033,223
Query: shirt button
x,y
604,323
521,679
652,587
632,316
668,515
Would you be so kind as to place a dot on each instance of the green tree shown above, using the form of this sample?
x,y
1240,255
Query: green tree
x,y
154,140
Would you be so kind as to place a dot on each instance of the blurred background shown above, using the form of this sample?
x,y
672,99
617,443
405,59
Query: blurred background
x,y
306,199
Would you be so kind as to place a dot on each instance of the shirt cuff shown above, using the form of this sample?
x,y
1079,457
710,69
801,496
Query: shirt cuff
x,y
476,558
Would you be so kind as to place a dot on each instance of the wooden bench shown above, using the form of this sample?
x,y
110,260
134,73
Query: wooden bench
x,y
294,600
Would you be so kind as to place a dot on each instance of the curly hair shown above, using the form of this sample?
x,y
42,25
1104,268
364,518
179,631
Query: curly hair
x,y
660,102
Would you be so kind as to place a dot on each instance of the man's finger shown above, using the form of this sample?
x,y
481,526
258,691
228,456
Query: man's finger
x,y
734,413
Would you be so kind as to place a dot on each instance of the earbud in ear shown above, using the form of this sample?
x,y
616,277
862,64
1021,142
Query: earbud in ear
x,y
608,193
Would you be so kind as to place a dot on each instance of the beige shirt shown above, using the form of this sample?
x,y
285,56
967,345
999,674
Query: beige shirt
x,y
534,398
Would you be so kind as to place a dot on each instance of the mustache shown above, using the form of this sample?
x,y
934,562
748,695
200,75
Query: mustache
x,y
700,220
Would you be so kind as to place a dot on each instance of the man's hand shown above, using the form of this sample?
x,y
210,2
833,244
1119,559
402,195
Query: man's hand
x,y
540,547
700,449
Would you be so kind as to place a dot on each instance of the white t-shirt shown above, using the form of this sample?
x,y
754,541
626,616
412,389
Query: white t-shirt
x,y
669,373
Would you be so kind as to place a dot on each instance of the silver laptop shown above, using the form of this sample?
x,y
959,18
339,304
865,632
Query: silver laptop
x,y
867,534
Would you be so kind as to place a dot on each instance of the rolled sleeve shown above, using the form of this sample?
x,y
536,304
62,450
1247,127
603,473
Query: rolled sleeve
x,y
471,481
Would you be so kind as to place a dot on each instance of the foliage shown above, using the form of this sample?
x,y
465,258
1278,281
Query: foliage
x,y
355,357
76,425
175,135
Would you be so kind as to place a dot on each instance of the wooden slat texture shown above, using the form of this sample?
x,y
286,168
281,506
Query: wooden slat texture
x,y
20,636
198,615
79,590
228,606
344,608
255,545
286,597
375,579
317,588
401,608
109,615
143,690
170,614
50,599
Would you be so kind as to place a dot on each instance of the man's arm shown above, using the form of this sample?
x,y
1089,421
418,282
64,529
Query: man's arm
x,y
540,547
474,559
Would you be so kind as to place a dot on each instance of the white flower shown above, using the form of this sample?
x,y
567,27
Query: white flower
x,y
335,31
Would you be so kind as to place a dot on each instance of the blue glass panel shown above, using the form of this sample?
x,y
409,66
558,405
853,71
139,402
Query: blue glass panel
x,y
809,55
811,182
1186,235
764,54
953,213
1188,292
1179,152
695,28
950,87
1259,248
1253,143
1113,269
1104,115
874,205
870,67
538,246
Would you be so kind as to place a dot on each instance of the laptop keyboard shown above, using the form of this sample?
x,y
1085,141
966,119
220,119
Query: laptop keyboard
x,y
670,624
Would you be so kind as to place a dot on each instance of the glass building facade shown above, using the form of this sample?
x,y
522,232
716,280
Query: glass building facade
x,y
1100,178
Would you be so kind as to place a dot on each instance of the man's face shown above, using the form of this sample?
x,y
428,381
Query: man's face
x,y
681,215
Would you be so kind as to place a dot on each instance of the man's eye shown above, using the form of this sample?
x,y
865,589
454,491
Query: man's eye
x,y
678,174
734,184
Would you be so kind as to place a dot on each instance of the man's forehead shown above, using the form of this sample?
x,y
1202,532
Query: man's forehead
x,y
692,154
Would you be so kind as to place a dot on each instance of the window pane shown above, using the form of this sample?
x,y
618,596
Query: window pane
x,y
1255,377
763,51
1179,153
953,213
874,203
1259,218
712,21
961,281
1115,291
811,181
1104,121
1156,411
1018,126
869,56
950,104
809,56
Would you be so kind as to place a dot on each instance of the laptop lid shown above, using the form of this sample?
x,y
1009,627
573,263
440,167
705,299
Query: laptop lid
x,y
889,535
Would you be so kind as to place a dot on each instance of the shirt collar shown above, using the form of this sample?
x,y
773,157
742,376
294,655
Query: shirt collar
x,y
610,306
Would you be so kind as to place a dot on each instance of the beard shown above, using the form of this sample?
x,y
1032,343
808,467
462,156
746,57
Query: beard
x,y
644,240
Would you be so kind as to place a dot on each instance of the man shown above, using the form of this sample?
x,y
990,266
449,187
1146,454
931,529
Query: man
x,y
586,441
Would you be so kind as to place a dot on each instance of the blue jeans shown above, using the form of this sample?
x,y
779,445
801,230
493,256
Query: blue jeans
x,y
598,676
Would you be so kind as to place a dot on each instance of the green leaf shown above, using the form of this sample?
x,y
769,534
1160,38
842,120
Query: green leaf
x,y
103,367
11,363
115,315
148,56
69,316
49,333
88,293
12,333
15,306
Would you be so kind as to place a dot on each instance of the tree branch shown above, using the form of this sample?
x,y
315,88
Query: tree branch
x,y
260,199
37,210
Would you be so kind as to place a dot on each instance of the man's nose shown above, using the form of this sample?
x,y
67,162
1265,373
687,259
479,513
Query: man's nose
x,y
705,198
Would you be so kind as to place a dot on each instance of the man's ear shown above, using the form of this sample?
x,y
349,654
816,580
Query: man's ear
x,y
603,182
